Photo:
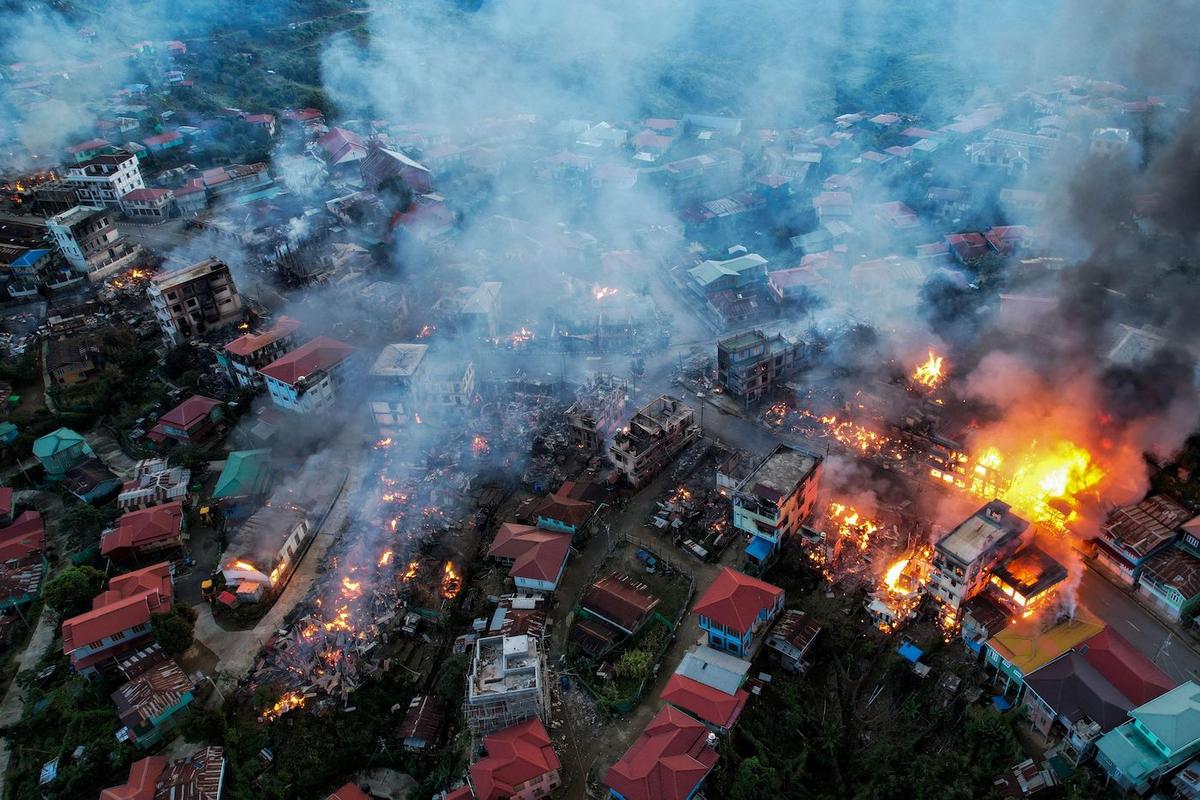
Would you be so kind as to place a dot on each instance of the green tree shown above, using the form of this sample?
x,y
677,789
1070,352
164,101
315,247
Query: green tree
x,y
173,631
633,664
72,590
82,523
199,724
753,780
449,682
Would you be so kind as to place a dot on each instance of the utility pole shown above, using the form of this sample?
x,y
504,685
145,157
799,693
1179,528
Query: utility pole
x,y
1162,648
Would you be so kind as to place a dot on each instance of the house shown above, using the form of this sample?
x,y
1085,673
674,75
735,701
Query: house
x,y
750,365
88,239
739,272
895,216
32,263
669,761
86,151
6,507
340,147
948,202
265,122
1170,580
720,711
148,205
154,482
247,354
1031,643
1134,533
72,361
964,557
776,498
537,557
191,301
520,764
562,512
155,691
1009,240
383,170
194,422
266,548
309,378
61,450
23,561
393,382
200,776
506,683
1089,690
967,246
658,432
244,480
119,621
1159,736
103,180
1026,579
619,601
423,723
833,205
998,155
1109,142
791,637
151,531
191,198
91,481
982,617
163,142
735,609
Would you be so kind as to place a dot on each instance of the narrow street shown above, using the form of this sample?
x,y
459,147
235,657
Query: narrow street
x,y
10,707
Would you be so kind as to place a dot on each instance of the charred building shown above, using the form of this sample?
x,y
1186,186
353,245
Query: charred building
x,y
776,498
655,435
90,242
751,365
191,301
965,557
597,411
506,684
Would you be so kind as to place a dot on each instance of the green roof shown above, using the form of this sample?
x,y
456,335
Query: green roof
x,y
6,428
1130,753
245,473
56,442
1173,717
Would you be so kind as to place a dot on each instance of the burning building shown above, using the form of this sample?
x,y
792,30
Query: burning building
x,y
776,498
247,354
750,365
506,684
655,435
1026,579
264,551
596,413
965,557
190,301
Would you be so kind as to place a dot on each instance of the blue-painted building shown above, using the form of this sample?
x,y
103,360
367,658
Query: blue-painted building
x,y
1160,736
735,610
31,263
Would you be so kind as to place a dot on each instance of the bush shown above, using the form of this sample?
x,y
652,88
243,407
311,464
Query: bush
x,y
71,591
173,631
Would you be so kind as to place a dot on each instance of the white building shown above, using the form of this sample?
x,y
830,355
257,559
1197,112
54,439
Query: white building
x,y
91,244
506,684
310,377
105,179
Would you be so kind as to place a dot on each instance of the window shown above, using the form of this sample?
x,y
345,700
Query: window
x,y
118,636
96,644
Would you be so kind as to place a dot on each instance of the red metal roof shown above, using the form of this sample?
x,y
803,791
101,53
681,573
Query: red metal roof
x,y
26,535
667,762
143,775
735,600
536,554
90,144
129,601
189,412
162,138
349,792
707,703
145,194
967,245
620,600
1134,675
517,754
249,343
6,500
146,528
319,354
561,508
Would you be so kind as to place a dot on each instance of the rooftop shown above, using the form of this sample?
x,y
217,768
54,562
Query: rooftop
x,y
707,272
313,357
1173,717
1143,527
620,600
249,343
536,554
667,762
515,755
155,684
989,527
713,668
780,473
707,703
145,528
1030,571
1030,643
167,280
504,664
129,601
735,600
399,360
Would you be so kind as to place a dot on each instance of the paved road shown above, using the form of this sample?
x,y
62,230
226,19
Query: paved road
x,y
1156,641
10,707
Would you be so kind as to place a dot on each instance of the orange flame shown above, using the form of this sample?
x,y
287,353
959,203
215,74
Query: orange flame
x,y
451,581
600,292
386,558
931,373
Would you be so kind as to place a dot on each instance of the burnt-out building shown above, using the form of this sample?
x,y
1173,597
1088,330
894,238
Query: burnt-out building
x,y
751,365
191,301
655,435
597,411
1026,578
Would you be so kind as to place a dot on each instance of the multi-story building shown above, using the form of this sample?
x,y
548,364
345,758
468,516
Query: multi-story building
x,y
774,500
1159,737
446,385
119,621
597,411
105,179
750,365
191,301
148,205
1133,534
90,242
246,355
965,557
506,684
520,764
655,435
201,775
736,610
264,551
309,378
392,385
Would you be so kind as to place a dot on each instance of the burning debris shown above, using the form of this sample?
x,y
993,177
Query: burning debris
x,y
930,374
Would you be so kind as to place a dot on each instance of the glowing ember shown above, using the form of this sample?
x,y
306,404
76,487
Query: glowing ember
x,y
341,622
852,525
891,578
351,589
451,582
410,571
520,336
426,331
245,566
480,446
417,418
386,558
931,373
383,443
600,292
289,701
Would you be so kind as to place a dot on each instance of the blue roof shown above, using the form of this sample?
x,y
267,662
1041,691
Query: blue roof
x,y
758,549
28,258
911,652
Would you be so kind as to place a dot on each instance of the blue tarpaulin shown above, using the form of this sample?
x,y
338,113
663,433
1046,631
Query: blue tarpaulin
x,y
1001,702
758,549
911,652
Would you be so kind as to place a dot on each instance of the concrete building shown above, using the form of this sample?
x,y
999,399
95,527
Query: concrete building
x,y
310,377
246,355
732,274
391,386
597,411
520,764
965,557
506,683
189,302
736,610
105,179
119,621
148,205
655,435
90,242
776,498
750,365
1160,736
